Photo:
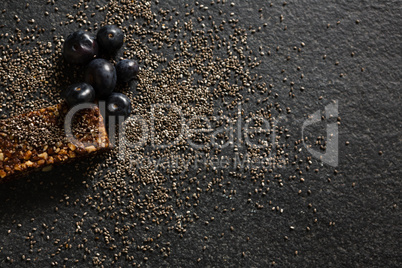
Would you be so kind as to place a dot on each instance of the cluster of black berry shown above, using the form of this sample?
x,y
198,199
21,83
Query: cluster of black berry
x,y
100,75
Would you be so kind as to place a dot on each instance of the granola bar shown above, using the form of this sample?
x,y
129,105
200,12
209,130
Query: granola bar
x,y
37,140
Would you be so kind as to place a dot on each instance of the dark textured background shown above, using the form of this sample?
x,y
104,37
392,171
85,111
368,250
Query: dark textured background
x,y
363,199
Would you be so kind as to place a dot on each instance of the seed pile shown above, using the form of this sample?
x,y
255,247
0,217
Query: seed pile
x,y
207,72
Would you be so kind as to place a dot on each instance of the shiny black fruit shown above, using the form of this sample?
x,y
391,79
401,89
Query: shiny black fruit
x,y
127,70
118,104
80,48
110,38
102,76
79,93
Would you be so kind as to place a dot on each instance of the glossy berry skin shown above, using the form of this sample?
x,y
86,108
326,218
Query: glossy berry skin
x,y
118,104
79,93
127,70
80,48
110,38
101,74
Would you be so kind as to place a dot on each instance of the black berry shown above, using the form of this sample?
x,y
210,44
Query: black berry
x,y
118,104
127,70
79,93
110,38
102,76
80,48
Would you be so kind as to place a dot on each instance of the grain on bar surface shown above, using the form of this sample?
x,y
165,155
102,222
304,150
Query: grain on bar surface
x,y
37,139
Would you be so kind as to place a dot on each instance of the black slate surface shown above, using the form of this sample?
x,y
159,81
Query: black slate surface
x,y
358,211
